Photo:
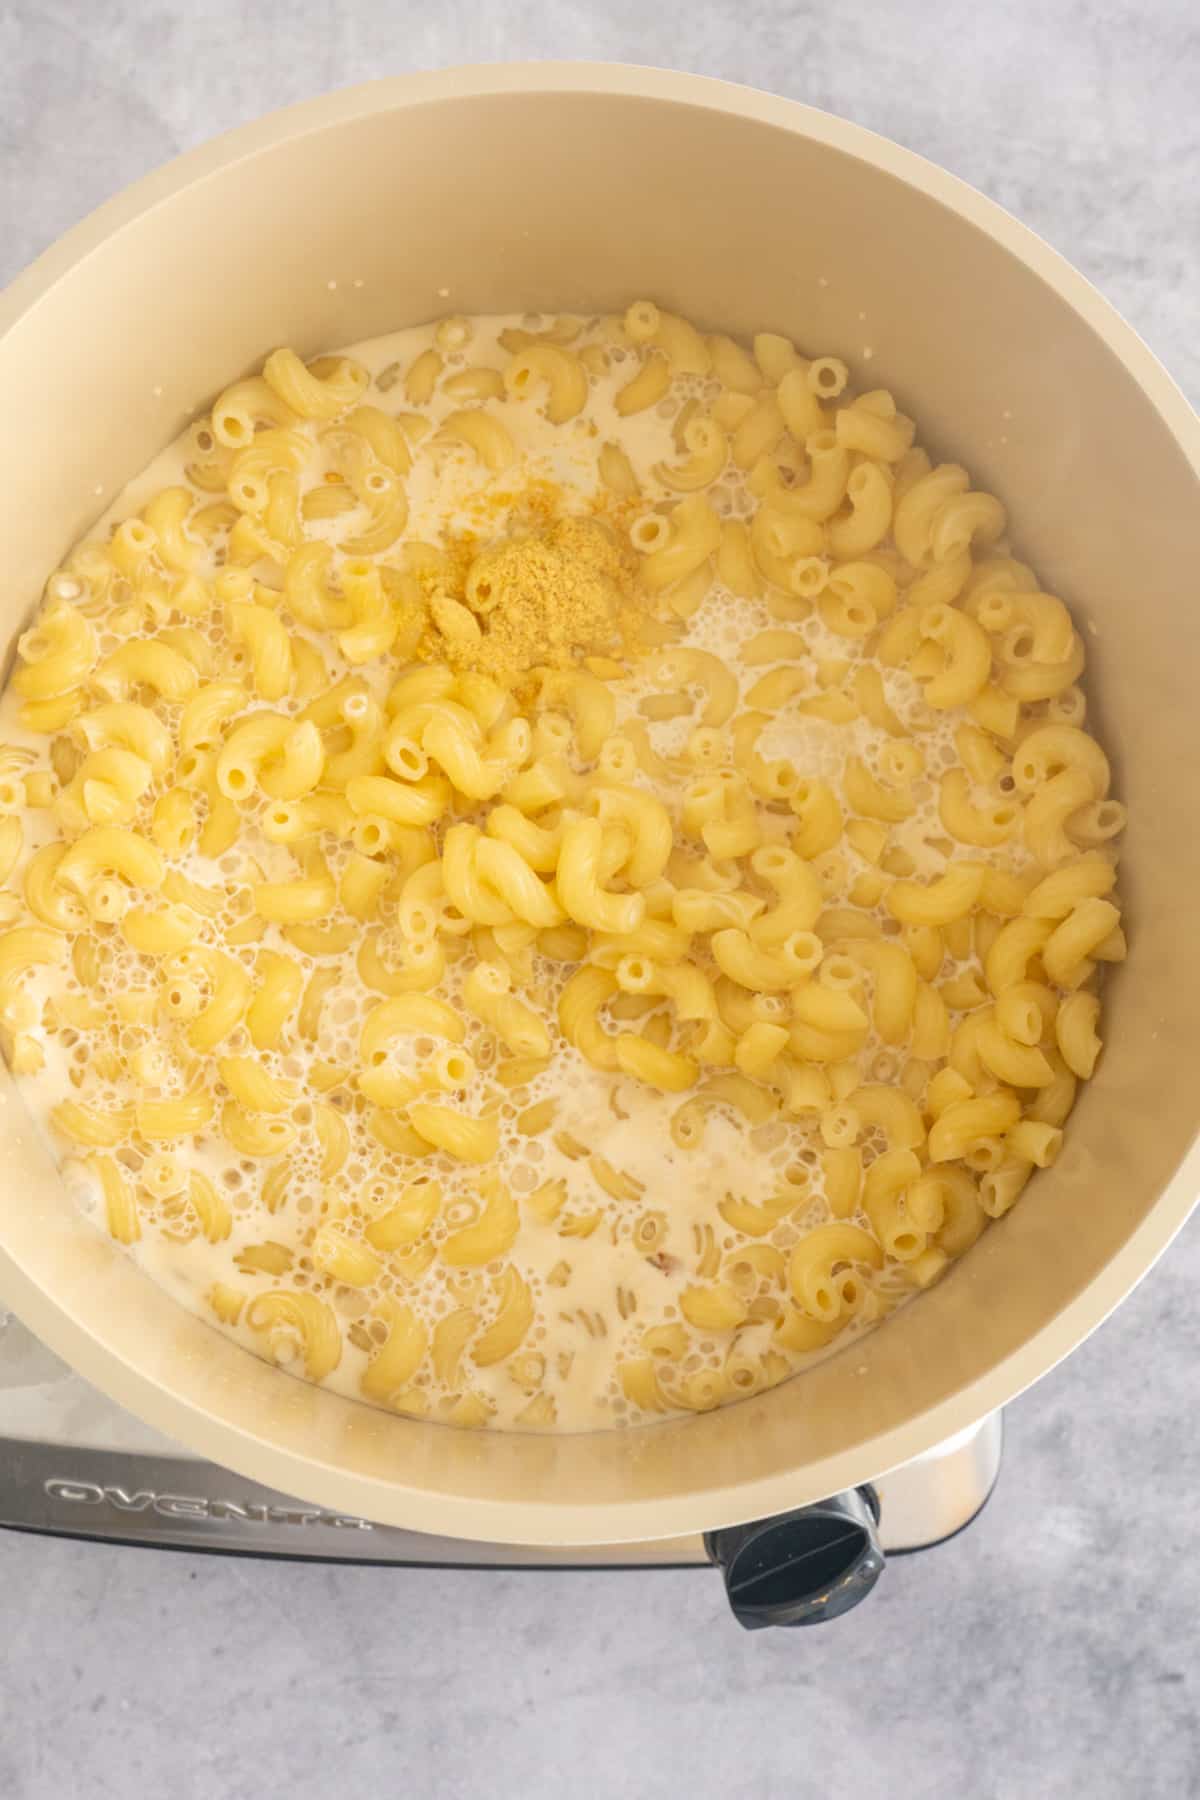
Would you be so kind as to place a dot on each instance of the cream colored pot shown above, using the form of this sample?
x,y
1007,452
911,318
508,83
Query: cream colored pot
x,y
557,187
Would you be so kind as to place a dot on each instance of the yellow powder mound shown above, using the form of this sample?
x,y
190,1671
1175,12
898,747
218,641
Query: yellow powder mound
x,y
544,598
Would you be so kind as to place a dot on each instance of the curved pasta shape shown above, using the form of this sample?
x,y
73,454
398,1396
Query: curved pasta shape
x,y
716,1307
382,433
143,663
579,1015
872,426
298,1325
111,850
343,1258
758,431
1017,1064
160,931
250,1084
782,541
120,1205
559,370
968,656
451,1335
240,408
819,820
1034,627
479,772
963,521
358,715
405,1223
677,338
392,1367
1076,1035
419,802
786,966
126,725
420,966
511,1324
213,1215
294,903
280,984
405,1015
205,713
700,668
58,655
1083,933
816,1258
638,1376
88,1126
265,636
320,391
966,1122
527,897
646,388
491,1235
105,790
800,896
1028,682
538,844
1033,1141
1013,949
648,825
666,1070
871,798
694,535
884,1195
49,903
869,496
1055,895
591,707
893,1111
382,493
464,1138
487,994
173,822
463,880
156,1120
917,509
895,985
827,1025
229,993
981,827
952,896
307,591
254,1135
271,753
577,882
482,433
707,452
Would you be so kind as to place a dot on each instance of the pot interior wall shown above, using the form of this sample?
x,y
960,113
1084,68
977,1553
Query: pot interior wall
x,y
582,200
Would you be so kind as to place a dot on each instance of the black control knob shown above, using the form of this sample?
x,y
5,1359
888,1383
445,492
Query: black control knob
x,y
802,1567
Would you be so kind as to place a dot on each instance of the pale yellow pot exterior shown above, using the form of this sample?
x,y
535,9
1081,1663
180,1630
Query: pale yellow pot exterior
x,y
582,186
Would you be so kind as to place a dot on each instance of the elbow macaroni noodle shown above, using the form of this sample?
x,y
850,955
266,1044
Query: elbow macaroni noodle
x,y
568,1043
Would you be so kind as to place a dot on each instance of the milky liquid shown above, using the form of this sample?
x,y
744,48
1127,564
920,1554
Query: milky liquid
x,y
595,1289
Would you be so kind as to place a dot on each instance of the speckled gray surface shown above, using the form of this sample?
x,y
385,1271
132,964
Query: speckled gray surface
x,y
1051,1650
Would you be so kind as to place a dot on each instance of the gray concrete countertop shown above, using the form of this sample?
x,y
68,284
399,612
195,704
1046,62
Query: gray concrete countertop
x,y
1051,1650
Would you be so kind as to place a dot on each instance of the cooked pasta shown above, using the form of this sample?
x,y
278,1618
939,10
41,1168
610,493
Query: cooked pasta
x,y
554,870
